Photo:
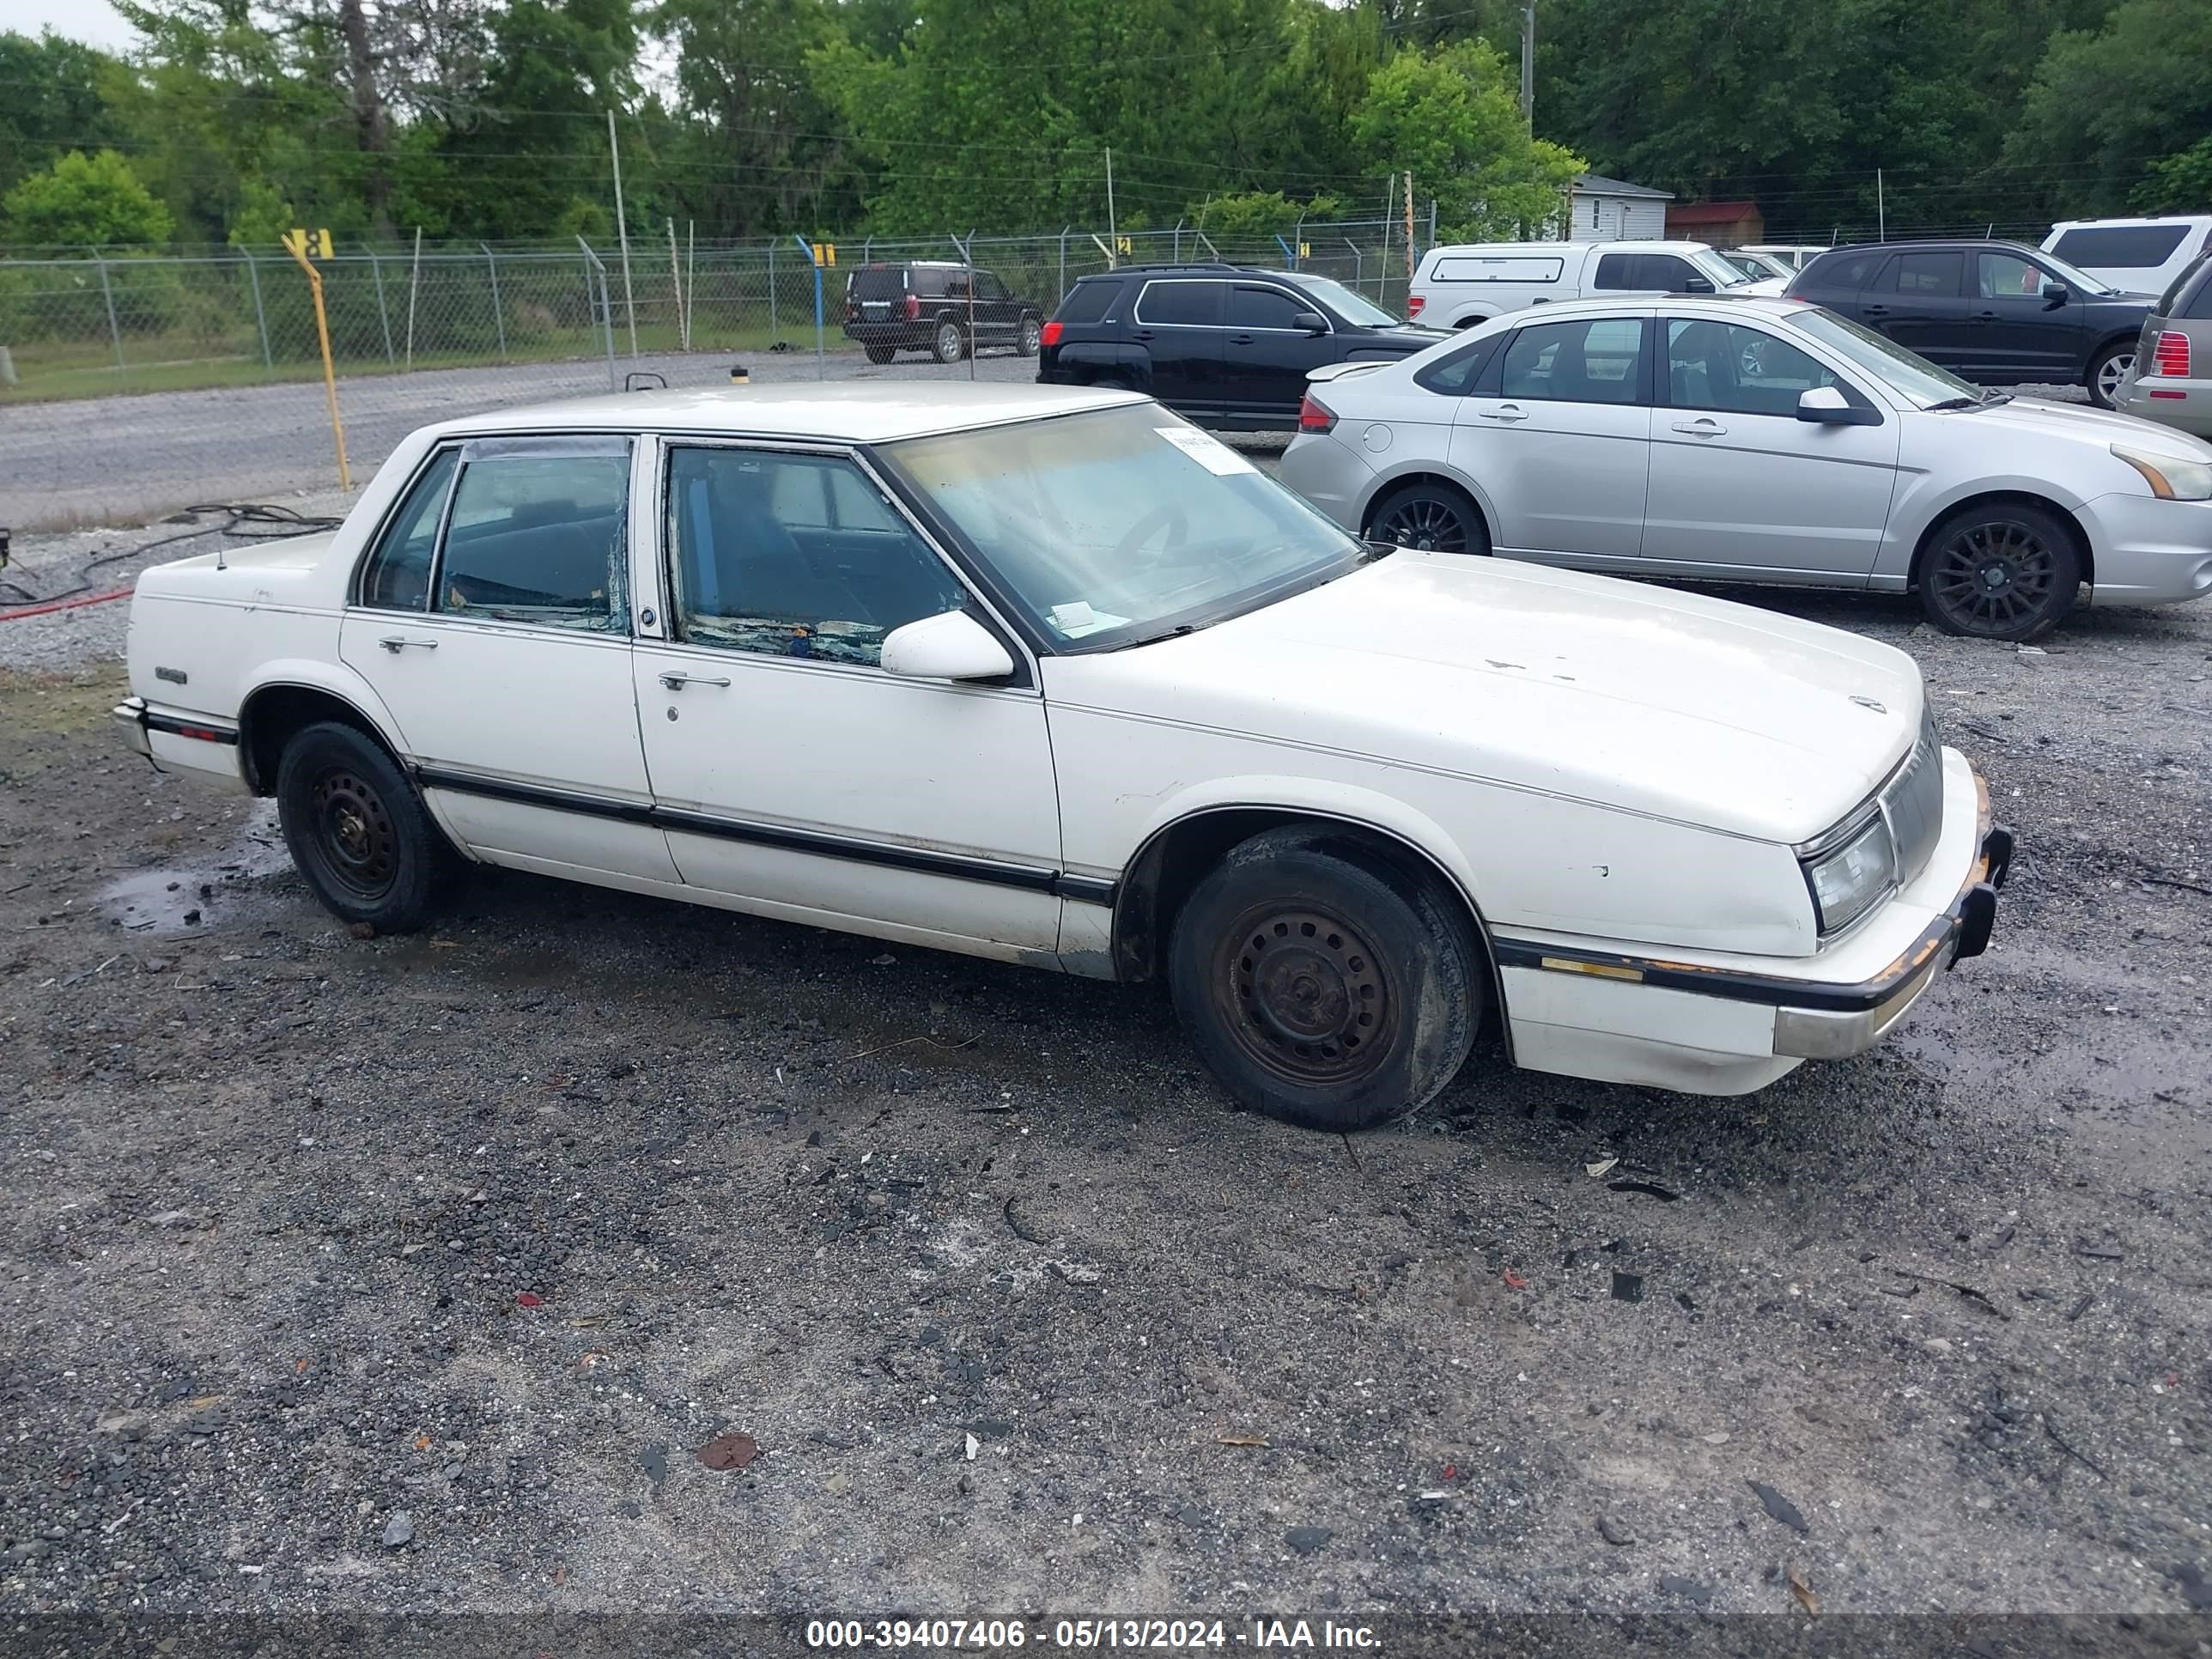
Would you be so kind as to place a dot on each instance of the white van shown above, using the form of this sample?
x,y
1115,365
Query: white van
x,y
2137,256
1458,287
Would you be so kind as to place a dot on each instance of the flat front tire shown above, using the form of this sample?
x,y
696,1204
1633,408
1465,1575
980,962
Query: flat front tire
x,y
1319,987
358,831
2002,570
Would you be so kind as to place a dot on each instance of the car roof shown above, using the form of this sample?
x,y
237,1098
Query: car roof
x,y
859,412
1720,307
1935,244
2139,221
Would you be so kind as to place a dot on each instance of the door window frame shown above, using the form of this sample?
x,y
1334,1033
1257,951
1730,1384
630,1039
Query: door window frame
x,y
1491,381
1663,385
1137,312
1298,302
662,633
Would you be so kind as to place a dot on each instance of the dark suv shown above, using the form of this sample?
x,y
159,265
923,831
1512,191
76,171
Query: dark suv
x,y
2000,313
925,305
1227,345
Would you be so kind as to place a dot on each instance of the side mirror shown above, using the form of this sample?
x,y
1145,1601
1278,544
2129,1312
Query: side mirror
x,y
950,646
1697,285
2057,292
1825,406
1309,322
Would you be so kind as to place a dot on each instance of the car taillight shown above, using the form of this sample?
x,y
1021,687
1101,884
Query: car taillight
x,y
1314,415
914,307
2170,355
1413,304
1050,335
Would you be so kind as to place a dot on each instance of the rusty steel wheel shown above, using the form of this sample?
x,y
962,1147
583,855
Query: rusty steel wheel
x,y
358,831
1323,983
1304,993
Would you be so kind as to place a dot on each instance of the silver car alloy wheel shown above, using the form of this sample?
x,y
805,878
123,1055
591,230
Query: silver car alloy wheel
x,y
2112,373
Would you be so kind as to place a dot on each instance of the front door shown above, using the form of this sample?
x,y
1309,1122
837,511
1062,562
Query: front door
x,y
1177,322
1919,301
492,619
1266,355
1557,435
2020,335
792,773
1738,484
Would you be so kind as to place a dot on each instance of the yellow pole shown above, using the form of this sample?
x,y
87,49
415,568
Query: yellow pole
x,y
299,252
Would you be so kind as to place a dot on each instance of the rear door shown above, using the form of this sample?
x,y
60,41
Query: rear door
x,y
1177,321
1265,358
2023,335
1919,299
1741,485
1557,435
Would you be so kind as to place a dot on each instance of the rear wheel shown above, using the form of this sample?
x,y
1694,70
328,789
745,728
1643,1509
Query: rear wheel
x,y
2107,370
1027,337
358,831
882,354
1434,518
1322,991
948,344
2002,570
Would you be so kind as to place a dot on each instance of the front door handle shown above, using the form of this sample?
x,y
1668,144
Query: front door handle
x,y
1985,316
1240,339
1874,311
1506,412
1704,426
675,680
395,645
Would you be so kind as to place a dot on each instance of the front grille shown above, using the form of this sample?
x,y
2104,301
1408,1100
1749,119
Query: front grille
x,y
1912,800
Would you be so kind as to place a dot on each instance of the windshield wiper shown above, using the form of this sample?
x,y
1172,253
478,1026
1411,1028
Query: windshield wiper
x,y
1979,400
1955,403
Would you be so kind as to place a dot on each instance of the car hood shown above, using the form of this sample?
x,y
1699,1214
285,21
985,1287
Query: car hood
x,y
1638,698
1410,337
2079,421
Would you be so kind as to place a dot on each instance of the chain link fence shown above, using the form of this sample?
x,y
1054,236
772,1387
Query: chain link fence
x,y
102,323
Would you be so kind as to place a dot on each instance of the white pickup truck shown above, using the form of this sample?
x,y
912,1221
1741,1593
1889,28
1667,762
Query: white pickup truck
x,y
1458,287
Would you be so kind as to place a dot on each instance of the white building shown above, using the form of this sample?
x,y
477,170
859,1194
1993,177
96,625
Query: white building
x,y
1600,210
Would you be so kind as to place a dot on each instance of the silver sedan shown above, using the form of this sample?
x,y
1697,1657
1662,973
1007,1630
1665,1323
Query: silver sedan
x,y
1754,440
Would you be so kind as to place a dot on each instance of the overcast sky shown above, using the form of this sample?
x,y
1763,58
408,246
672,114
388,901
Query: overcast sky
x,y
92,20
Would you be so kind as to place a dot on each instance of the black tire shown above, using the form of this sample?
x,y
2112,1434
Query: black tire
x,y
358,831
2000,570
880,354
2108,369
1433,517
1319,990
948,342
1028,335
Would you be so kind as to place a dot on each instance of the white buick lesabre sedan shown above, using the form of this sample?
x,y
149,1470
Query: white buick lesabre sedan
x,y
1050,676
1763,440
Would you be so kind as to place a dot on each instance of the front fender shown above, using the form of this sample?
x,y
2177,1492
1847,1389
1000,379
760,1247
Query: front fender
x,y
1922,501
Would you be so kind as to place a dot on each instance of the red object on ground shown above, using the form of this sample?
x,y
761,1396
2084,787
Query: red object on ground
x,y
528,1299
49,605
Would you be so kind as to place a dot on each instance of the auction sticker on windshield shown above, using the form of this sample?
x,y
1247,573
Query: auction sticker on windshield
x,y
1209,452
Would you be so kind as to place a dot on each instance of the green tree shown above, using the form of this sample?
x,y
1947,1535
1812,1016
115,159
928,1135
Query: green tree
x,y
92,201
1450,118
53,103
2179,184
2108,107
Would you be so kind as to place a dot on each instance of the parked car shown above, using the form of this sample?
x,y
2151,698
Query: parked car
x,y
1792,254
1758,265
1227,345
927,305
1052,676
2172,379
2137,256
1998,313
1759,440
1461,286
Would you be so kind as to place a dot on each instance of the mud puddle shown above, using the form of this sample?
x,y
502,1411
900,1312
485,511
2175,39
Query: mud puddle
x,y
203,896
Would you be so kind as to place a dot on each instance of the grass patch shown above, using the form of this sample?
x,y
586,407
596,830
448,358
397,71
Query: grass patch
x,y
56,704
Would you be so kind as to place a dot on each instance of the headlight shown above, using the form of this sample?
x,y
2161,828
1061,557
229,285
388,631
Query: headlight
x,y
2171,478
1845,881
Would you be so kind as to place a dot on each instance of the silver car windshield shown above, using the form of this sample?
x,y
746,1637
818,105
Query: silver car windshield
x,y
1356,309
1900,370
1119,526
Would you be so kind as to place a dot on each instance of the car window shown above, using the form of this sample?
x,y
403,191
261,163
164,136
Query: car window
x,y
1672,273
538,537
1744,371
1616,271
1498,268
398,575
1181,301
2009,276
930,282
1592,363
795,555
2121,247
2190,295
1923,276
1455,373
988,287
1088,302
1263,308
1846,270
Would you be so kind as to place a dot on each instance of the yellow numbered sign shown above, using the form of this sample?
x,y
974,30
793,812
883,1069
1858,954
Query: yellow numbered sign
x,y
1305,250
825,253
301,243
1120,245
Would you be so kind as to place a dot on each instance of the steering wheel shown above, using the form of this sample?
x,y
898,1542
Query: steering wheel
x,y
1168,516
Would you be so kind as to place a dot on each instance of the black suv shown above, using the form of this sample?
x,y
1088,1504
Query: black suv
x,y
1996,313
924,305
1227,345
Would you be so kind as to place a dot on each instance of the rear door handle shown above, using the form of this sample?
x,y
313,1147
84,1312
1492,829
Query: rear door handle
x,y
1507,412
675,680
1142,334
1240,339
1704,426
1874,311
1985,316
394,644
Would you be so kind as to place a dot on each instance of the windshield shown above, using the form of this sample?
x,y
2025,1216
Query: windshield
x,y
2073,277
1896,367
1723,274
1356,309
1119,525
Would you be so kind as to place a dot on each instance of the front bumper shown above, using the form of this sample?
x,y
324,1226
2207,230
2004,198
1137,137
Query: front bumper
x,y
2149,552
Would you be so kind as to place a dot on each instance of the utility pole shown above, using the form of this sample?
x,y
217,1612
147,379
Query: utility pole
x,y
1112,236
1528,64
1881,208
622,231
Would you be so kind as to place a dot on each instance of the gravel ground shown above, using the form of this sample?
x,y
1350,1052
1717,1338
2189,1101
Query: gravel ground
x,y
418,1272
